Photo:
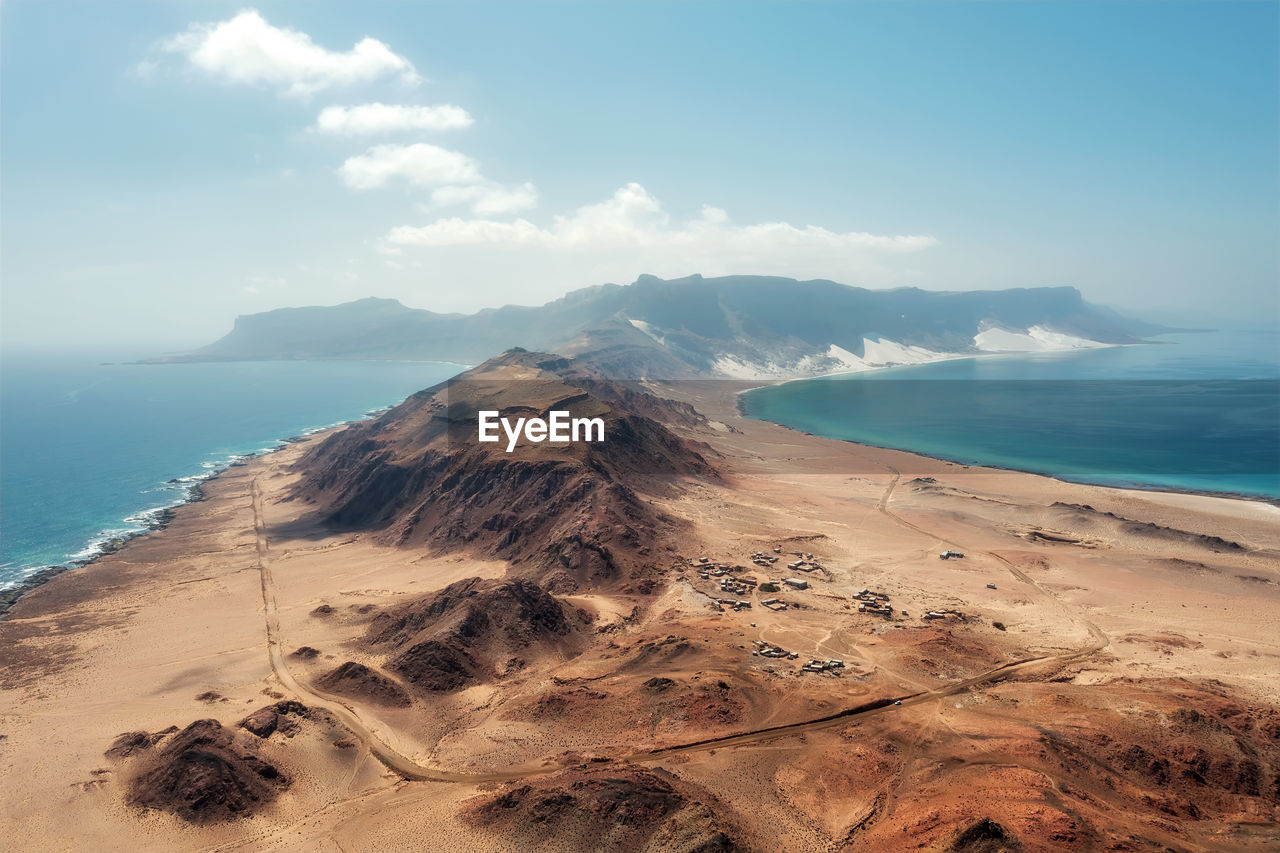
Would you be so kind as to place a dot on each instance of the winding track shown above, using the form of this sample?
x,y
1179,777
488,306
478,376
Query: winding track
x,y
408,769
392,759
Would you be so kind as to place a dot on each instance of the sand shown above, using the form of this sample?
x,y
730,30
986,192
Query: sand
x,y
1110,599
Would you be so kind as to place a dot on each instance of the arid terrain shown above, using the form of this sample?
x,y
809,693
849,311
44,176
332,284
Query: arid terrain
x,y
388,637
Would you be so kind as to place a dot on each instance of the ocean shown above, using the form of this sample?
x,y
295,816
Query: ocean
x,y
93,448
1193,412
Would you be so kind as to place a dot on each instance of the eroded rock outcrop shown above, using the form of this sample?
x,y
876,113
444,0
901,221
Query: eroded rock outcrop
x,y
620,808
205,774
471,631
361,682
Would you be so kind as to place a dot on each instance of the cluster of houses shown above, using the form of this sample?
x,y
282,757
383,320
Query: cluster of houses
x,y
741,586
764,560
777,604
823,665
806,563
768,650
707,569
944,614
729,583
737,586
765,650
876,603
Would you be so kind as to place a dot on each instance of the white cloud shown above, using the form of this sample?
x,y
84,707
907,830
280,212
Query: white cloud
x,y
367,119
246,49
419,165
634,219
488,199
453,177
714,215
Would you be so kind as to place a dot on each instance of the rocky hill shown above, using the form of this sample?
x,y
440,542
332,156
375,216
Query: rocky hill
x,y
625,808
564,515
472,631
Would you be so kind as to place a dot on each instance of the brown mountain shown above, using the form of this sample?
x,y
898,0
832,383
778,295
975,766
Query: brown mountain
x,y
566,515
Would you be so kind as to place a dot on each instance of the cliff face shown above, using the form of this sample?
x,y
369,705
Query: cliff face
x,y
566,515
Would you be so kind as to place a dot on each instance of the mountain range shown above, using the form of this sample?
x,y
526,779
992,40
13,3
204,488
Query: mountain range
x,y
735,326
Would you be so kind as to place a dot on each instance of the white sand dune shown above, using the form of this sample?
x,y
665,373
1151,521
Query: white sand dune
x,y
1035,339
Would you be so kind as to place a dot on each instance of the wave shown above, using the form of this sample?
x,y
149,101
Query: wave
x,y
187,489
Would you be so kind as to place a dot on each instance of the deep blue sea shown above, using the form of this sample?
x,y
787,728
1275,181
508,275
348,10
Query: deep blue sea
x,y
1188,412
87,449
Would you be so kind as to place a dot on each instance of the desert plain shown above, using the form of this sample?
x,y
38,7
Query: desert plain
x,y
1099,671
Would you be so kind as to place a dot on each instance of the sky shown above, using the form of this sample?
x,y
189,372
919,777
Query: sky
x,y
167,166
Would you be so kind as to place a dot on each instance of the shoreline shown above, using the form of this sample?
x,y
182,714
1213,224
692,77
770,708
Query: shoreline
x,y
1133,487
106,546
111,544
163,516
157,518
1153,489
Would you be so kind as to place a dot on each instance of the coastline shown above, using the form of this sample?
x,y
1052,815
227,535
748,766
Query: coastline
x,y
1136,487
155,519
158,518
1139,487
96,452
143,521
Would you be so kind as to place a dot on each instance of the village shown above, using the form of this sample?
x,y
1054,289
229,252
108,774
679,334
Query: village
x,y
736,586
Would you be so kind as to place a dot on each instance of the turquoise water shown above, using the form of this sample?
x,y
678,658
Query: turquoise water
x,y
1188,411
88,450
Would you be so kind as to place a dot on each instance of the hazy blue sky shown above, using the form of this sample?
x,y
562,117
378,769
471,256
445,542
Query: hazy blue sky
x,y
169,165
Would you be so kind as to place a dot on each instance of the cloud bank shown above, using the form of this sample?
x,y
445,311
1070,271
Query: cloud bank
x,y
613,238
633,218
246,49
378,118
453,177
419,165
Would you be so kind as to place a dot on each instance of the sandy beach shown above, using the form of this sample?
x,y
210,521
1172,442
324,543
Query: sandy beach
x,y
1077,616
